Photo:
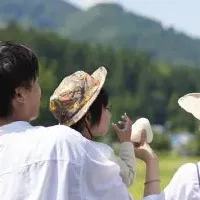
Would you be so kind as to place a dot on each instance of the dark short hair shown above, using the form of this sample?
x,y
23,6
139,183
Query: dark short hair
x,y
95,111
18,67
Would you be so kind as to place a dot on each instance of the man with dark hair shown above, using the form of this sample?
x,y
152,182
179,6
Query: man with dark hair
x,y
45,163
20,91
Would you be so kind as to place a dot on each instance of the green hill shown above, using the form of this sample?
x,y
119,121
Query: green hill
x,y
38,13
111,24
107,24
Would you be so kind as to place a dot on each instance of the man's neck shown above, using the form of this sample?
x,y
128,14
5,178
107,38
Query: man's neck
x,y
10,119
5,121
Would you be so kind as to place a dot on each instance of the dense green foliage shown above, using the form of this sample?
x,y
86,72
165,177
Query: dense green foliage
x,y
136,84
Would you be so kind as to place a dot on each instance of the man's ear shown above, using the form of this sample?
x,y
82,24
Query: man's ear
x,y
20,94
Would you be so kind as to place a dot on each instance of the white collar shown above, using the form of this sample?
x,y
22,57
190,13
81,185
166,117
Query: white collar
x,y
16,126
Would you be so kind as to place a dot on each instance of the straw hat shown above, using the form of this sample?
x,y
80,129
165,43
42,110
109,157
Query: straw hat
x,y
191,103
75,94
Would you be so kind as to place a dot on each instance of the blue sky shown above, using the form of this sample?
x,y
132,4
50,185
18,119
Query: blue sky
x,y
183,15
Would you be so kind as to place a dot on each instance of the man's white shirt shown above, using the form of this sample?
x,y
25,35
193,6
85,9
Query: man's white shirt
x,y
55,163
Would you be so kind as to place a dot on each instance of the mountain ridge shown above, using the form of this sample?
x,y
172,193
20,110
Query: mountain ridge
x,y
108,24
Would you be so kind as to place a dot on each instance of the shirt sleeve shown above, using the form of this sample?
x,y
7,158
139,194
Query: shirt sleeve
x,y
126,162
154,197
101,179
184,184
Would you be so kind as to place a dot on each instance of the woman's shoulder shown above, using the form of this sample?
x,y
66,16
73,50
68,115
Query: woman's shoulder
x,y
184,184
187,169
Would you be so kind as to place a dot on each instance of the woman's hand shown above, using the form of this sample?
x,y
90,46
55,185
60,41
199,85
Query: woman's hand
x,y
124,134
143,151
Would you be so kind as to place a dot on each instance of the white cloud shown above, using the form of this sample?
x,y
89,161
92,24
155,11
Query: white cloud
x,y
89,3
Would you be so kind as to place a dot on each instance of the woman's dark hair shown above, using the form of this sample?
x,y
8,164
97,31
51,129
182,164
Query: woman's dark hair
x,y
95,111
18,67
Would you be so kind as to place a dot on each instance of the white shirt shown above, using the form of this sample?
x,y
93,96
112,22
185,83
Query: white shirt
x,y
184,184
55,163
126,160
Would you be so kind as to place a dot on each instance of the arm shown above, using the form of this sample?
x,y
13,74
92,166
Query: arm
x,y
152,180
145,153
127,162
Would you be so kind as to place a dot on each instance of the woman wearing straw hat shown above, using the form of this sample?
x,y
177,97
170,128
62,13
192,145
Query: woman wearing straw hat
x,y
185,184
81,102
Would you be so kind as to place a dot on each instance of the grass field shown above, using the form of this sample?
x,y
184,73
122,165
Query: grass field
x,y
168,166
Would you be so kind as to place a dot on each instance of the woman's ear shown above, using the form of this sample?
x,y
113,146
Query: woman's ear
x,y
88,119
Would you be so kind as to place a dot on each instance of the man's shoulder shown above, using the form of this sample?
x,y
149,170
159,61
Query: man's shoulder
x,y
57,132
62,130
61,142
60,134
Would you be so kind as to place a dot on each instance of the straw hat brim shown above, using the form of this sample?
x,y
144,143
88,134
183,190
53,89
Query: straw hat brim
x,y
100,76
191,104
